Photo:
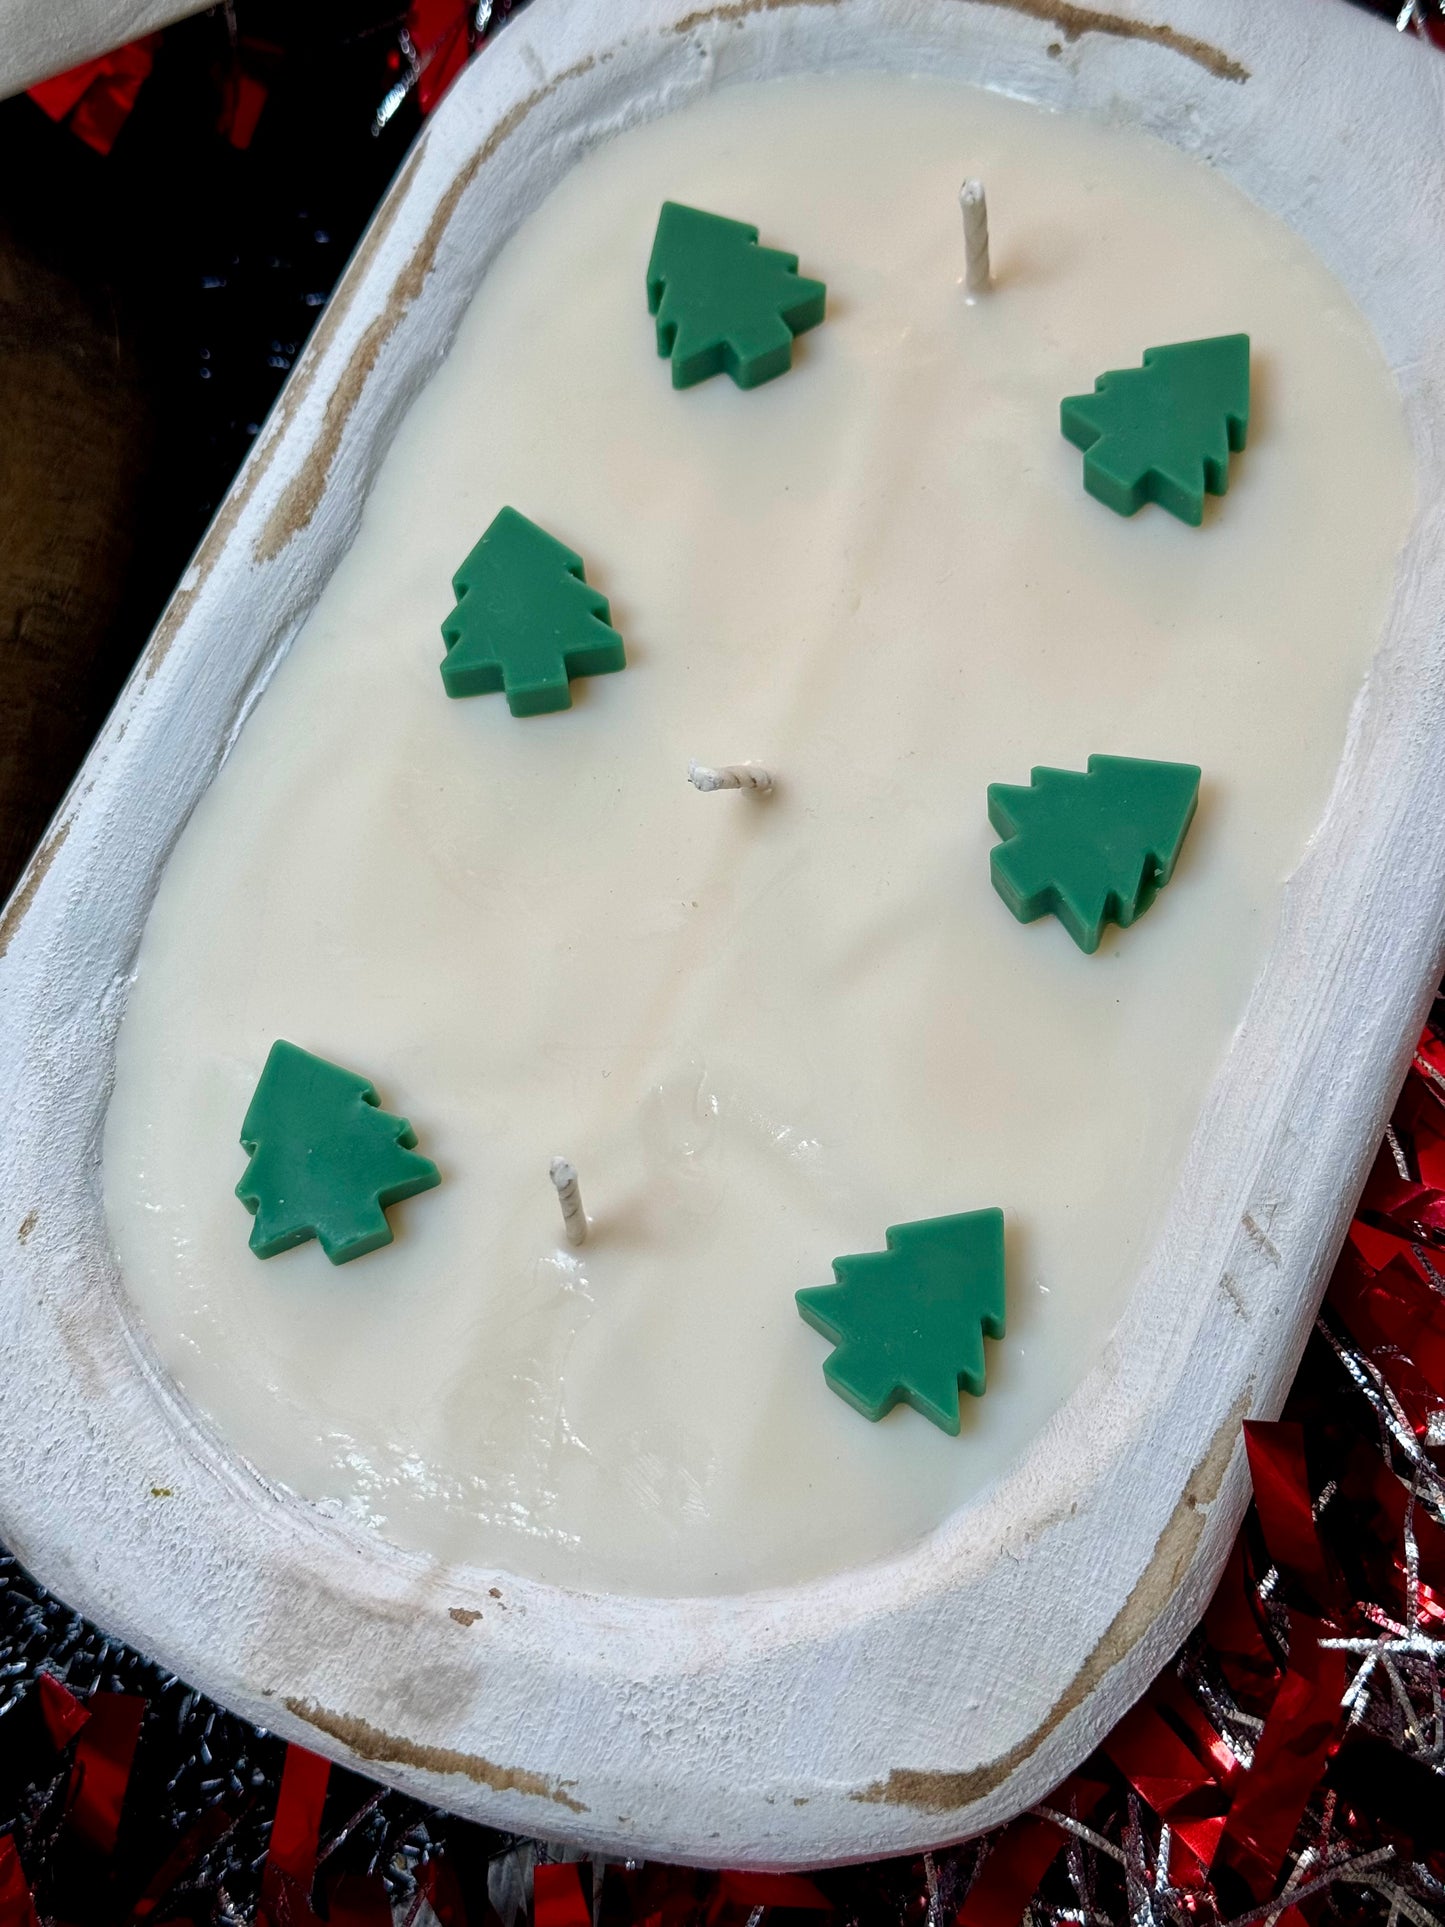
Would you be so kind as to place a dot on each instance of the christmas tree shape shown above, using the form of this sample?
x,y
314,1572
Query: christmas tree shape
x,y
1162,433
325,1159
1092,849
908,1322
526,621
722,302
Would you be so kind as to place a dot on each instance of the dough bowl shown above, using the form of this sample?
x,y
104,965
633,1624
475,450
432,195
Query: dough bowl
x,y
913,1700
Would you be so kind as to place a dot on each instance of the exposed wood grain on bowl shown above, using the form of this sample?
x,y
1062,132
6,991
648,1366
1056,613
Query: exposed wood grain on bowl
x,y
938,1792
1074,22
34,876
739,10
369,1743
302,495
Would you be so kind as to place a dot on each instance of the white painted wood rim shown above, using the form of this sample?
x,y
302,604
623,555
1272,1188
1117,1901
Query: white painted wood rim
x,y
940,1692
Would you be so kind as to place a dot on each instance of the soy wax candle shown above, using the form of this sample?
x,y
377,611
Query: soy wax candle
x,y
762,1029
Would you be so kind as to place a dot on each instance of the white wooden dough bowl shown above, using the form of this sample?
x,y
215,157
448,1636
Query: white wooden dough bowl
x,y
887,1709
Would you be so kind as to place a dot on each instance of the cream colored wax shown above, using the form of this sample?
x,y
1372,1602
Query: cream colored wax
x,y
763,1029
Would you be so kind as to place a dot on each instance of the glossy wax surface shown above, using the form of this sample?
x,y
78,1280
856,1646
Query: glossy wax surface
x,y
762,1029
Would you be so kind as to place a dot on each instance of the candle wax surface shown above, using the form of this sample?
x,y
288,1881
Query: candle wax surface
x,y
762,1029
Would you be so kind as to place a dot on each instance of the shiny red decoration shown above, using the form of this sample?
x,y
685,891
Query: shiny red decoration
x,y
60,1709
1019,1856
1299,1735
440,32
101,1768
96,97
558,1899
243,96
17,1909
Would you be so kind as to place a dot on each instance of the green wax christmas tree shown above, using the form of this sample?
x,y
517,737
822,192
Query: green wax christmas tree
x,y
909,1322
1162,433
525,621
1095,848
325,1159
724,304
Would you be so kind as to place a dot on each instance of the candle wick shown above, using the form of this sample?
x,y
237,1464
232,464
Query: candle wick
x,y
569,1196
976,273
733,776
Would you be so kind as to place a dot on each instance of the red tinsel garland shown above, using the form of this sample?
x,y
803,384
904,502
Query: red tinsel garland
x,y
98,95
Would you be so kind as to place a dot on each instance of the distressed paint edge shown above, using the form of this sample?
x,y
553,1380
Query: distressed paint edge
x,y
932,1790
375,1747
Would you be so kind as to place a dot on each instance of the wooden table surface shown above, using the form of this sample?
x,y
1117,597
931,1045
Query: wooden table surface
x,y
74,449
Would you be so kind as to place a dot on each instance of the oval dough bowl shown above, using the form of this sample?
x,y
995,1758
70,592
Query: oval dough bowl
x,y
911,1702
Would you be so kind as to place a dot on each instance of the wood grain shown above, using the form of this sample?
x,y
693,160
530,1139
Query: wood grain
x,y
73,453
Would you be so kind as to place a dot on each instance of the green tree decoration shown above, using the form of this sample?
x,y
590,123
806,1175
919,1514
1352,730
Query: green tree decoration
x,y
325,1159
1095,848
908,1322
525,621
1162,433
722,302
